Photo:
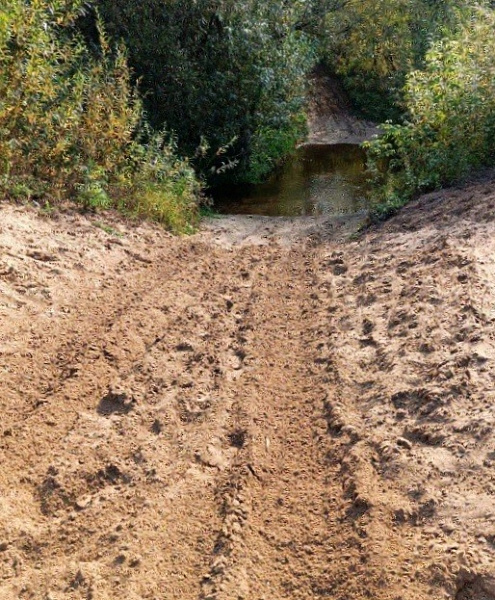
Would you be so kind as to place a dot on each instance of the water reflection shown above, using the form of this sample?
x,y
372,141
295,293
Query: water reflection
x,y
317,180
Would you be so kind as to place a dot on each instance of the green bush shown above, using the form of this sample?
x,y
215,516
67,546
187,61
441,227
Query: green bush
x,y
71,125
230,72
374,45
450,125
271,145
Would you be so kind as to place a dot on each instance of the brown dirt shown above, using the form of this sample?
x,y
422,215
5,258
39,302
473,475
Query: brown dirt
x,y
330,115
264,410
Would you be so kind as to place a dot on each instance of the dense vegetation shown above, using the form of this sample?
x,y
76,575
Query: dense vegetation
x,y
449,126
227,79
72,126
228,72
374,45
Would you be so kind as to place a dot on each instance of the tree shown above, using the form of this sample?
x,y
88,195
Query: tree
x,y
373,45
72,126
449,128
230,72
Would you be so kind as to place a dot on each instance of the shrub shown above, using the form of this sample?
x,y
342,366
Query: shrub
x,y
70,121
373,45
270,145
450,125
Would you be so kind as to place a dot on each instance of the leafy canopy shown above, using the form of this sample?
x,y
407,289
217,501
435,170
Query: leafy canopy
x,y
230,72
374,45
449,129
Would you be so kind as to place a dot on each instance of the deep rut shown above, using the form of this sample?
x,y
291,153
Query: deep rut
x,y
278,498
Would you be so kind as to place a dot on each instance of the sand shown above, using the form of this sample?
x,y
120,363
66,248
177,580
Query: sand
x,y
269,409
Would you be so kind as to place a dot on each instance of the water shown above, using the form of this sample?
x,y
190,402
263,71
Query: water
x,y
317,180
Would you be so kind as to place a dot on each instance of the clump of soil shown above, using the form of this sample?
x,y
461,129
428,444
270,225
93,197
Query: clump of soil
x,y
268,409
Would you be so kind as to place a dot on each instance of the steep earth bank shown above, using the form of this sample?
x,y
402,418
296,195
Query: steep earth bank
x,y
330,115
269,409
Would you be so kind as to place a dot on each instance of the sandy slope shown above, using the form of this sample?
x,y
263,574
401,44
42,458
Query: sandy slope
x,y
260,411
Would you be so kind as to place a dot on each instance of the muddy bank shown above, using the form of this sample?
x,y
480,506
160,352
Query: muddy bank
x,y
330,115
272,408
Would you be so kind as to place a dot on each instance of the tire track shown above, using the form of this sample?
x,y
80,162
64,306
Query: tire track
x,y
276,503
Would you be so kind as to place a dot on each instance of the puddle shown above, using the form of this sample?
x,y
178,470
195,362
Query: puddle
x,y
316,180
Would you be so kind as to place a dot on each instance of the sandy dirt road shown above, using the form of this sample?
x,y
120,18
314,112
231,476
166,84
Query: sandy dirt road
x,y
270,409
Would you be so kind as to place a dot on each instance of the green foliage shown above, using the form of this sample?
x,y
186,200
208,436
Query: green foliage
x,y
270,145
373,45
69,122
450,124
228,77
164,187
228,71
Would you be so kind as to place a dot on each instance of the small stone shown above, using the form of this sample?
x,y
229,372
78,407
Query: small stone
x,y
82,503
404,443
